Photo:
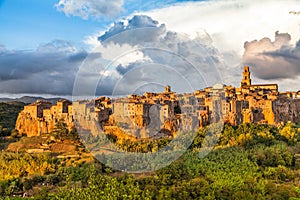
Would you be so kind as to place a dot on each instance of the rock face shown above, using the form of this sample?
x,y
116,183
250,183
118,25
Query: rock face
x,y
27,125
287,110
41,117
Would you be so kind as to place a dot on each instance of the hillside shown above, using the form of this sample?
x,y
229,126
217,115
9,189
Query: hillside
x,y
8,116
29,99
250,162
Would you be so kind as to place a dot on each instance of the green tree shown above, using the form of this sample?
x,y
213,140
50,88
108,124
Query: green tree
x,y
289,132
61,130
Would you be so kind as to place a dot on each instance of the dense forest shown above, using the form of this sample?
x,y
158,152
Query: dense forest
x,y
250,161
8,116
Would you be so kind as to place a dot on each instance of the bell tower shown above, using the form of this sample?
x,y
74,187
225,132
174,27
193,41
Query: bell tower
x,y
167,89
246,81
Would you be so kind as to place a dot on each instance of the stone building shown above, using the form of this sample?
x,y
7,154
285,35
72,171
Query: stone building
x,y
35,110
259,103
246,81
41,117
167,112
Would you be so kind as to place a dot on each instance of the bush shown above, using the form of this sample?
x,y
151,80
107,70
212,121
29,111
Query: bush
x,y
53,179
272,156
27,184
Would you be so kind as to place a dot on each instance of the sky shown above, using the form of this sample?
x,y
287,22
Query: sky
x,y
101,47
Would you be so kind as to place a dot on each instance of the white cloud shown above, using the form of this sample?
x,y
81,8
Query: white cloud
x,y
231,23
2,48
132,57
92,40
60,46
90,8
278,59
149,29
228,24
120,53
143,52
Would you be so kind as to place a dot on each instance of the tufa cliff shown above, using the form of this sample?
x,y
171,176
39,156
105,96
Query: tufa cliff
x,y
41,117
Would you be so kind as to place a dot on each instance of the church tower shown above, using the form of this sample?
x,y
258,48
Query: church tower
x,y
167,89
246,77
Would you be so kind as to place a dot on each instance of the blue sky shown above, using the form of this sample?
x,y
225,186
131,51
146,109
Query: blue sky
x,y
45,43
25,24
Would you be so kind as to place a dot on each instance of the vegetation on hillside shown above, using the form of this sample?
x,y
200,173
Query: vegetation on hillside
x,y
62,132
262,172
249,162
8,116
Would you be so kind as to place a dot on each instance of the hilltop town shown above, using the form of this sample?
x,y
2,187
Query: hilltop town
x,y
142,133
163,114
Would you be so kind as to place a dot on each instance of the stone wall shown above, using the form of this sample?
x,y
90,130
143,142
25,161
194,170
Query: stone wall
x,y
41,118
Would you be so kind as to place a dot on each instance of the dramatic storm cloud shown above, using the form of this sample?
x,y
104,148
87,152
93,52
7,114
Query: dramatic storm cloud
x,y
278,59
141,51
90,8
50,69
145,30
139,54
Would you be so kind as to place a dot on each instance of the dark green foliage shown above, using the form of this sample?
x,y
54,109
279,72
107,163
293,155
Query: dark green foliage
x,y
249,135
62,132
104,187
273,156
229,173
27,184
8,116
139,146
250,162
